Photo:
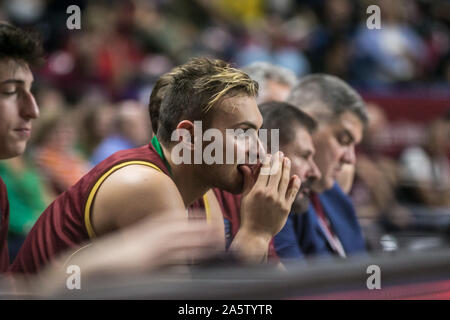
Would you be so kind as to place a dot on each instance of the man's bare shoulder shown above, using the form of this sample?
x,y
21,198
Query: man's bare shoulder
x,y
136,175
131,193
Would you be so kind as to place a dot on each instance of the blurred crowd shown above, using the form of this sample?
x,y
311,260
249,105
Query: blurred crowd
x,y
95,84
124,45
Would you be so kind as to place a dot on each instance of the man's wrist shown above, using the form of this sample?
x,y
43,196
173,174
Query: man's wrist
x,y
251,234
250,245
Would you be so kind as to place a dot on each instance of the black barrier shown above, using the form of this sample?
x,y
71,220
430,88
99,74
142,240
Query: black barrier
x,y
427,272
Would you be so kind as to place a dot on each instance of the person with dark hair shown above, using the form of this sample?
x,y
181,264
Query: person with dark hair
x,y
18,51
130,129
329,225
149,182
295,129
54,151
23,47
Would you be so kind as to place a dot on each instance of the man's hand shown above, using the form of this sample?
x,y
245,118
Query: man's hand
x,y
265,205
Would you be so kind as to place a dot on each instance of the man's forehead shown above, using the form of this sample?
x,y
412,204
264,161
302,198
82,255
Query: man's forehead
x,y
229,103
276,91
303,139
14,70
240,108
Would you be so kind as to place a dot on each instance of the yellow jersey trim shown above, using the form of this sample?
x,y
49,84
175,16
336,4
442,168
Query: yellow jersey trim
x,y
87,210
207,208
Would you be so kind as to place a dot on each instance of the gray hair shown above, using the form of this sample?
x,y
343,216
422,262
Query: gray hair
x,y
321,94
262,72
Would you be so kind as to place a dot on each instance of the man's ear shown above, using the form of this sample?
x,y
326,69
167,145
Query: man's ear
x,y
185,134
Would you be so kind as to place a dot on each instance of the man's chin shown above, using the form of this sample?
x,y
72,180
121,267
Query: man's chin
x,y
235,185
235,188
15,151
239,183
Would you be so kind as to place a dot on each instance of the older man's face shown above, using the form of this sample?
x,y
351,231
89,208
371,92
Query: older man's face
x,y
335,143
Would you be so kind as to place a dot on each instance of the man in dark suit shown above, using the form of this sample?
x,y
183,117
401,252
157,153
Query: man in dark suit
x,y
328,225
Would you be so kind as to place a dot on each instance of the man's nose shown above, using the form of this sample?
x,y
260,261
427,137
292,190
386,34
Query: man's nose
x,y
349,155
313,172
29,108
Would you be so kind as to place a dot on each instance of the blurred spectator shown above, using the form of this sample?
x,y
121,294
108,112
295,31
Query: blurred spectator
x,y
375,183
55,152
391,54
329,48
275,82
137,40
131,129
425,174
96,126
287,57
49,98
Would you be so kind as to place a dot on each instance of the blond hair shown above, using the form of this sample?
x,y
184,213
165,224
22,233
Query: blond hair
x,y
194,88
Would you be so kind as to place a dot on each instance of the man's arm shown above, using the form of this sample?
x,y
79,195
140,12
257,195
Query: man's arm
x,y
173,241
131,194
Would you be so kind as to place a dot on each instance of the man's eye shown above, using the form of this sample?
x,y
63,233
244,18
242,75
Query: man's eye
x,y
9,92
344,140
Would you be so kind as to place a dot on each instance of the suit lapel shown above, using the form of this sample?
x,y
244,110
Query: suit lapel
x,y
340,213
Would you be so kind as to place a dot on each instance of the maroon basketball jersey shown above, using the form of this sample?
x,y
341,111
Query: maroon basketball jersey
x,y
66,223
